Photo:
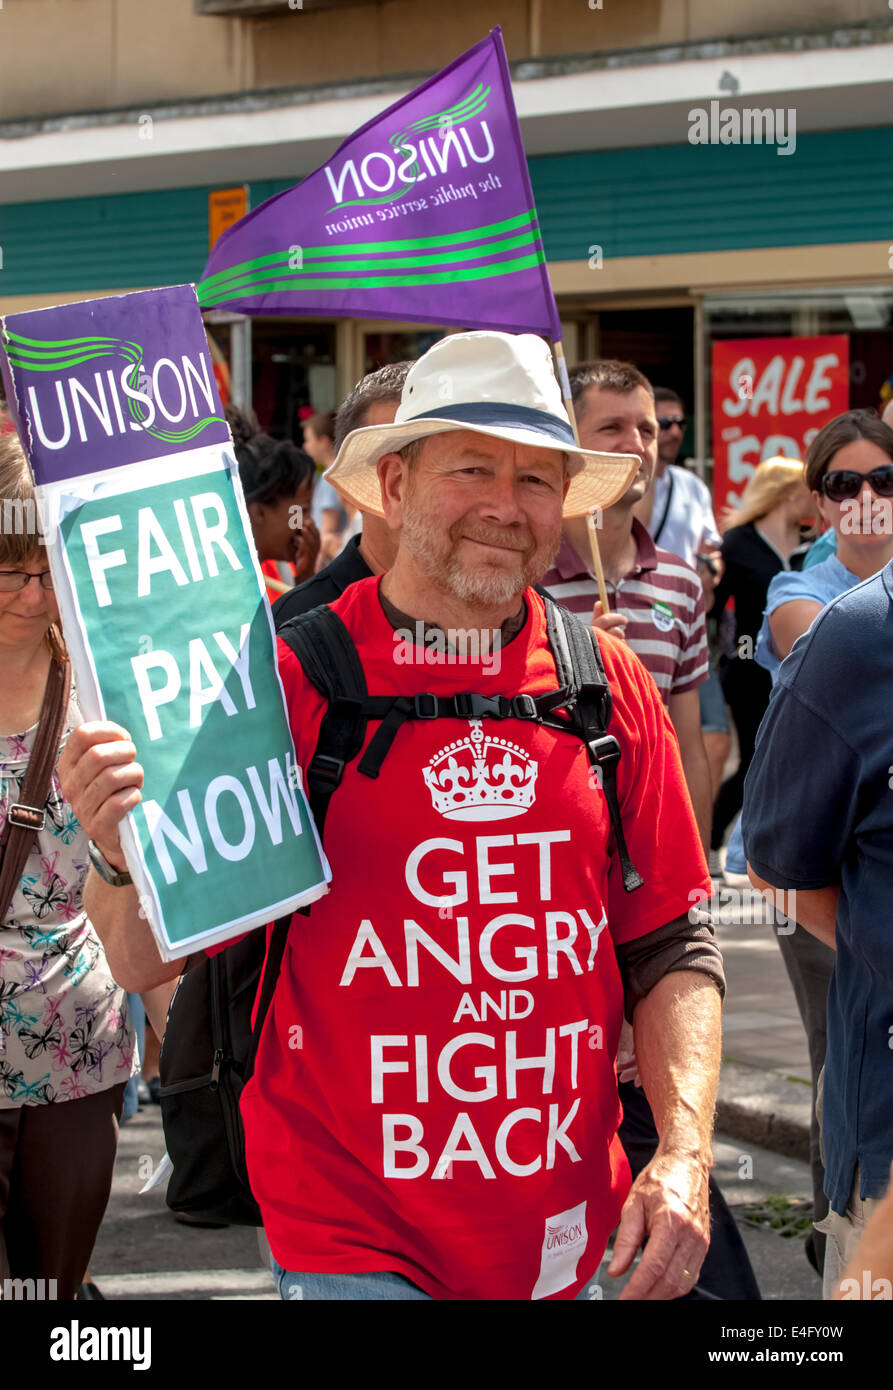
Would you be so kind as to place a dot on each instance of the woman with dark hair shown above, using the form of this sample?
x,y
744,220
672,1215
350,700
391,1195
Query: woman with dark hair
x,y
277,479
849,470
66,1042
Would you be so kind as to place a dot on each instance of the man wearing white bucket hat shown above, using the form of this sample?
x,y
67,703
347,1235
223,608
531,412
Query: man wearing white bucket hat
x,y
447,1128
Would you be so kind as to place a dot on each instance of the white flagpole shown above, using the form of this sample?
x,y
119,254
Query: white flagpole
x,y
591,520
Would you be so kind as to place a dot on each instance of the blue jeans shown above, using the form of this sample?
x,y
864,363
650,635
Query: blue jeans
x,y
382,1286
714,719
138,1019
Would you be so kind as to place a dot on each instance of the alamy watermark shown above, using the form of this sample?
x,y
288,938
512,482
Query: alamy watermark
x,y
728,905
18,517
455,646
29,1290
750,126
866,515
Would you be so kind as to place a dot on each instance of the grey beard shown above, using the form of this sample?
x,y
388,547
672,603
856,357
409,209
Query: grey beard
x,y
487,588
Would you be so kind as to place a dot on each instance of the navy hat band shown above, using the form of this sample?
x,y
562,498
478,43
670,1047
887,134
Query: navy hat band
x,y
503,416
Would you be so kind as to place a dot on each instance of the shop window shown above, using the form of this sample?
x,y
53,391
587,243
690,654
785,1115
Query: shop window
x,y
293,373
379,349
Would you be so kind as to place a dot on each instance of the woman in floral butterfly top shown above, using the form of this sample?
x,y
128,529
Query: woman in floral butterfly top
x,y
66,1044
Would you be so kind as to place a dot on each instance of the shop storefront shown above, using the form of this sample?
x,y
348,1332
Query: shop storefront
x,y
655,254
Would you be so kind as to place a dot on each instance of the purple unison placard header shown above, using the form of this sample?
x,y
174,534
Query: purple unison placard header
x,y
105,382
425,213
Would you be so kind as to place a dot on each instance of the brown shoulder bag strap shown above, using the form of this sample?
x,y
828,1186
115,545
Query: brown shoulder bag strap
x,y
27,816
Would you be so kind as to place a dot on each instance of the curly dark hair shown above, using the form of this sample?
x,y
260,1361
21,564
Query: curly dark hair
x,y
271,469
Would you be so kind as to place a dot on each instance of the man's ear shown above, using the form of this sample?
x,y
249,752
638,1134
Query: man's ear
x,y
393,475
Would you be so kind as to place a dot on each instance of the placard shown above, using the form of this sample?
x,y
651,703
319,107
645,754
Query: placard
x,y
163,606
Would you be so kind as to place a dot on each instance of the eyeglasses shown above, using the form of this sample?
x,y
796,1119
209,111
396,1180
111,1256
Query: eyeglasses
x,y
844,484
667,421
13,581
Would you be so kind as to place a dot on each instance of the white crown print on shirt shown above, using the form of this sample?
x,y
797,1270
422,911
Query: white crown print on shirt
x,y
481,777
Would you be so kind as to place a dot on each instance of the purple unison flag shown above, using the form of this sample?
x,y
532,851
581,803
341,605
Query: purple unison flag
x,y
426,213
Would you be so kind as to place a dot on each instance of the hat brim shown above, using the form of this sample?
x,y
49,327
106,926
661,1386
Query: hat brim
x,y
597,480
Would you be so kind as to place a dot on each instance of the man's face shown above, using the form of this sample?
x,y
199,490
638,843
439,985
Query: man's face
x,y
481,517
613,422
276,525
669,439
313,444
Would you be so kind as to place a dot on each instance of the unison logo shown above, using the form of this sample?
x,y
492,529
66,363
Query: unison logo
x,y
439,142
114,399
752,126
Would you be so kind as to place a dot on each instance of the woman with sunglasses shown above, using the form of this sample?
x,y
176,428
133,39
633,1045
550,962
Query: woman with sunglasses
x,y
849,470
66,1042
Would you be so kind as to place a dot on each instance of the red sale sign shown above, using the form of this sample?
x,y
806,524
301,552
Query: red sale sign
x,y
771,396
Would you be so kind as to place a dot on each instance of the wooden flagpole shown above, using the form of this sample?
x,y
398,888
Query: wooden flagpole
x,y
591,520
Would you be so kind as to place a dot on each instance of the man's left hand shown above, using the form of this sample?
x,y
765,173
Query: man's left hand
x,y
710,577
668,1203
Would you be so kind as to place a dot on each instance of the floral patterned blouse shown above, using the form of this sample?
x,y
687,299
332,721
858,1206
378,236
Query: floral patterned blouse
x,y
65,1031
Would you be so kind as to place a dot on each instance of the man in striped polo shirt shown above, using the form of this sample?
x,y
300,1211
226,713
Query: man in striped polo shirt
x,y
657,601
657,605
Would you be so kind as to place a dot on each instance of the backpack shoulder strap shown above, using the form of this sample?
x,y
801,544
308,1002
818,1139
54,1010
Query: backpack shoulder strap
x,y
271,968
578,662
329,659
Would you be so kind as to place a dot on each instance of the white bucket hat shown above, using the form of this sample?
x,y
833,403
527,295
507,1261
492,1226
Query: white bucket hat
x,y
499,384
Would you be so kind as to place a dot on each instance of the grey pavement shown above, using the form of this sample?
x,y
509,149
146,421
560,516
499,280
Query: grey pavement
x,y
142,1252
765,1091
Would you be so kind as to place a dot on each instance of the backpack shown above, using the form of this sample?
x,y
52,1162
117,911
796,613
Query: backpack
x,y
209,1044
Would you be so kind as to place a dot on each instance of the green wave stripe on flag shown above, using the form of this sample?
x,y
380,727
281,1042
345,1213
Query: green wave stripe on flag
x,y
59,355
454,247
391,265
472,234
40,355
461,275
459,111
445,120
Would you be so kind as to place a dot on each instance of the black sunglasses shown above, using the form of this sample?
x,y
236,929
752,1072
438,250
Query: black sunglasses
x,y
844,484
665,421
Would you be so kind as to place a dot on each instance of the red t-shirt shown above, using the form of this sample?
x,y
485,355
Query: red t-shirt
x,y
435,1091
270,570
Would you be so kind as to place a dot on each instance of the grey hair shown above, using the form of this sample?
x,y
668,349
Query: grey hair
x,y
411,451
384,385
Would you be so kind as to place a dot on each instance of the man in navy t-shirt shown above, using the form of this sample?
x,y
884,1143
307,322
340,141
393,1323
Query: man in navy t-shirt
x,y
826,744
